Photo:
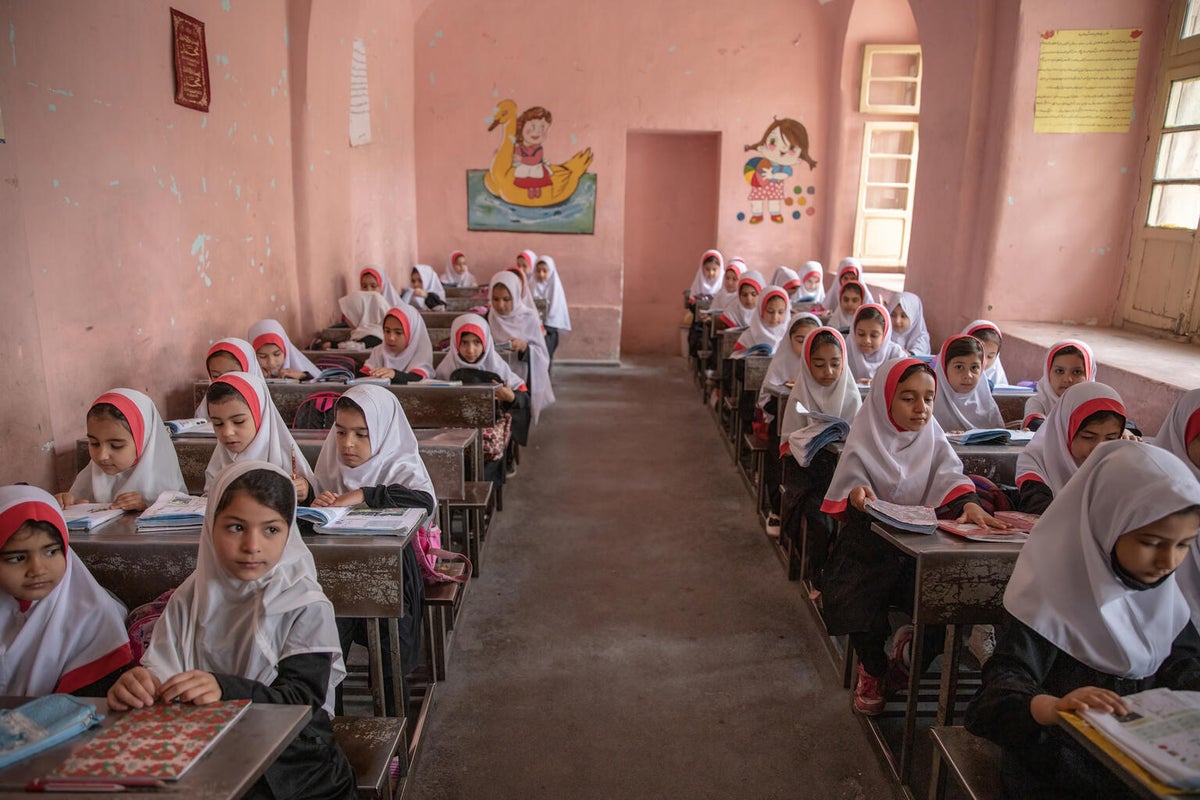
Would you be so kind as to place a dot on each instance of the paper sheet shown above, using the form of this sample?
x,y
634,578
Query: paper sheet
x,y
360,99
1086,81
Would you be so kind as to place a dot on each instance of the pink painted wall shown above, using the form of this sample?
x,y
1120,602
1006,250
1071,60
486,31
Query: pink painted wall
x,y
658,228
604,69
136,231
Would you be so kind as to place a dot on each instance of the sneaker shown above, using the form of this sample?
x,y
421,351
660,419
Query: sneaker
x,y
868,699
511,469
773,525
900,658
982,642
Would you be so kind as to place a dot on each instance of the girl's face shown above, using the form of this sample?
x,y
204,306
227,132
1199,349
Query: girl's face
x,y
778,149
748,296
711,269
233,423
535,131
1152,552
1089,436
991,351
270,359
541,272
731,279
502,300
1066,371
847,276
393,334
900,320
460,265
367,283
775,313
912,404
249,537
353,437
32,564
812,283
799,335
963,372
221,362
523,263
470,347
850,301
791,293
868,335
415,280
825,363
110,444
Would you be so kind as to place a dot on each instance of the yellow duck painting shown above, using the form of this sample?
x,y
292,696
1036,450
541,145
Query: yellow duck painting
x,y
500,178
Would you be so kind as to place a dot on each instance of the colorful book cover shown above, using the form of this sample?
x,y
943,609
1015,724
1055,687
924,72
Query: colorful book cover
x,y
161,741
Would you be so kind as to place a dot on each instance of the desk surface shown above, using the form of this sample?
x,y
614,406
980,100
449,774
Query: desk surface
x,y
996,462
225,772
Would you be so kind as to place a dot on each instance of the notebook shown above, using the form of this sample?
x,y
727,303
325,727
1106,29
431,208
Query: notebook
x,y
86,516
173,511
359,519
989,436
913,519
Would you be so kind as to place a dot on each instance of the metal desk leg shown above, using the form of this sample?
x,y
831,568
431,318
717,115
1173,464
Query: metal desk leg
x,y
910,705
945,716
375,667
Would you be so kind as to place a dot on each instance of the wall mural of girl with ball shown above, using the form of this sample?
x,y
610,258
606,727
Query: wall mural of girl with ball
x,y
783,144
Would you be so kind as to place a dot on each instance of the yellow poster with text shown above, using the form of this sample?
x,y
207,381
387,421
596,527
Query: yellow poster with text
x,y
1086,81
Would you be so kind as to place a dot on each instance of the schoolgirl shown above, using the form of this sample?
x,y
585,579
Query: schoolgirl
x,y
373,278
740,311
406,354
788,361
965,401
812,286
1086,415
735,268
231,355
133,460
548,287
60,630
457,272
519,326
1069,362
707,283
908,325
425,289
473,357
788,279
850,269
276,355
363,312
850,297
1093,613
768,325
989,333
872,343
1180,431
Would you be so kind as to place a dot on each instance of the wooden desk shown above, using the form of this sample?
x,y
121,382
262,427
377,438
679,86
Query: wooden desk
x,y
471,292
958,582
225,772
996,462
360,356
1132,774
1012,404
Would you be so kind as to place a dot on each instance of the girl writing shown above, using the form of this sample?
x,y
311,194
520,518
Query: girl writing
x,y
252,623
1069,362
548,287
519,326
406,354
894,452
908,325
61,631
425,289
872,344
1093,613
133,460
472,358
740,311
276,355
989,334
966,402
457,272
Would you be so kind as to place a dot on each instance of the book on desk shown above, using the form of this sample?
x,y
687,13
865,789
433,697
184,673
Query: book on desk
x,y
990,436
360,519
173,511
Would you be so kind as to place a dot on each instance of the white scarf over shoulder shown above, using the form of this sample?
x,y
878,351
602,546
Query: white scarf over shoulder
x,y
759,332
840,399
1045,399
701,286
551,290
452,278
417,355
958,411
863,366
490,361
735,315
915,340
785,364
995,373
1181,427
430,282
810,269
1047,457
522,323
269,331
365,312
391,295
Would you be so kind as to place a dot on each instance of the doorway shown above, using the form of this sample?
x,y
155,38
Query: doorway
x,y
672,184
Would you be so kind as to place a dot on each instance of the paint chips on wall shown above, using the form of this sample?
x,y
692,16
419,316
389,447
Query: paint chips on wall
x,y
360,97
191,61
1086,81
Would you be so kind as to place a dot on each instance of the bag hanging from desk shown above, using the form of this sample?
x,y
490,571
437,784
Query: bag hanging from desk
x,y
429,552
316,412
494,438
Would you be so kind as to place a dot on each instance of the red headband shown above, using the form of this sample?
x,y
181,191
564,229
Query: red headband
x,y
847,285
248,394
470,327
455,256
773,292
893,381
269,338
371,271
1083,351
1193,427
402,319
11,519
137,425
226,347
1085,410
986,326
887,318
757,286
812,337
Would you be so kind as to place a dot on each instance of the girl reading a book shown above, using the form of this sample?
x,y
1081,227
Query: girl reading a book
x,y
406,353
740,309
768,326
231,355
252,623
249,428
1085,416
897,453
871,342
519,325
133,460
61,632
277,356
966,402
1069,362
1093,612
473,359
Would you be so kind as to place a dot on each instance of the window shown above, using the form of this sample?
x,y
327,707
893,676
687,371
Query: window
x,y
891,79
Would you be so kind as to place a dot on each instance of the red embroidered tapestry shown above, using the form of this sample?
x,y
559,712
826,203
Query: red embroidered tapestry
x,y
191,61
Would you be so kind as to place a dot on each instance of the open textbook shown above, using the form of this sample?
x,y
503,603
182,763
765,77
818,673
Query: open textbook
x,y
1161,732
360,519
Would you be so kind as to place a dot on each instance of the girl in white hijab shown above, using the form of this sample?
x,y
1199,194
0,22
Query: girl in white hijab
x,y
788,361
707,282
1086,415
406,354
67,634
457,273
252,623
989,333
277,357
517,324
870,342
848,298
548,287
1069,362
248,427
965,401
231,355
133,460
769,325
787,279
426,290
471,348
373,278
741,307
908,325
1180,431
364,313
735,268
823,385
812,283
850,269
1094,613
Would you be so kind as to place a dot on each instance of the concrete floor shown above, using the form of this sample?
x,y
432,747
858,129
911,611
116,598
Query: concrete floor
x,y
632,635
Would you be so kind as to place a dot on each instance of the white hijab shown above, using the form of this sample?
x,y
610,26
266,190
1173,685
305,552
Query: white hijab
x,y
915,340
522,323
242,352
957,411
901,466
735,315
839,399
700,285
429,282
785,364
395,454
1045,399
551,290
1047,457
417,355
269,331
391,295
156,469
490,361
722,298
854,266
452,278
995,373
840,319
1064,586
70,638
809,269
1181,426
863,366
365,312
217,623
272,440
759,332
787,279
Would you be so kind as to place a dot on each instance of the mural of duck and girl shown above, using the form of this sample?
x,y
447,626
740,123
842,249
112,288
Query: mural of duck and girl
x,y
520,173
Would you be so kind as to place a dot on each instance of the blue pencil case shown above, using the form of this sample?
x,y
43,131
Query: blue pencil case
x,y
41,724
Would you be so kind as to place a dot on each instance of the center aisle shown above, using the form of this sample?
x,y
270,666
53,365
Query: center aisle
x,y
632,634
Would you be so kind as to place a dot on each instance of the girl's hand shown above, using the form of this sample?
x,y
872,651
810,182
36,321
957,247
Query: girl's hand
x,y
354,498
383,372
975,515
324,499
302,487
136,688
129,501
520,345
1044,708
505,394
65,499
1128,434
420,292
194,686
298,374
859,496
864,381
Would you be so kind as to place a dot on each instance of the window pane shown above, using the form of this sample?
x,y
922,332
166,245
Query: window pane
x,y
886,198
1191,20
1178,156
894,65
892,93
1183,107
1174,206
888,170
893,142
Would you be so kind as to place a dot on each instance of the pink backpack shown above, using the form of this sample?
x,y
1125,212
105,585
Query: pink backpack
x,y
429,552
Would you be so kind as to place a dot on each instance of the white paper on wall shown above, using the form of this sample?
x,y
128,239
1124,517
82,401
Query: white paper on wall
x,y
360,99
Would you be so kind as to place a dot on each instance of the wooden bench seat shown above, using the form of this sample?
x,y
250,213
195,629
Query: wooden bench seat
x,y
973,762
476,504
443,601
370,744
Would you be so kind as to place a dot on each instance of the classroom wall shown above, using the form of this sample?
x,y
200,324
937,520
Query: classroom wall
x,y
603,70
135,231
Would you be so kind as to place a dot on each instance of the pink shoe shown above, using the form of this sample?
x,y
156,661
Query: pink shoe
x,y
900,659
868,698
